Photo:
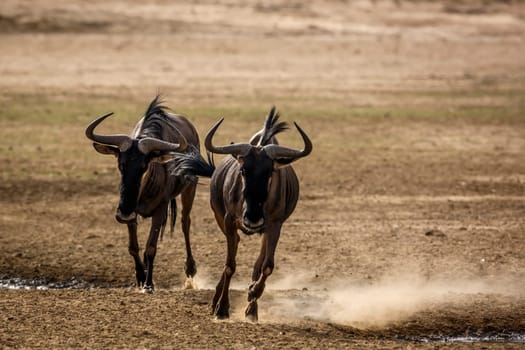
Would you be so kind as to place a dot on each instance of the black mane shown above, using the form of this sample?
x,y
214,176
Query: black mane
x,y
155,107
155,119
272,127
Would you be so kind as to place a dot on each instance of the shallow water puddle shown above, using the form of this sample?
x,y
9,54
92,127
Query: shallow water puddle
x,y
44,284
492,338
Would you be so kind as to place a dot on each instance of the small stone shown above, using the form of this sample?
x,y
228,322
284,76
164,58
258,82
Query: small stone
x,y
435,233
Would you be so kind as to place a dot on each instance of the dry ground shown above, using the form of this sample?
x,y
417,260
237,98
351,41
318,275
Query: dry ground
x,y
410,225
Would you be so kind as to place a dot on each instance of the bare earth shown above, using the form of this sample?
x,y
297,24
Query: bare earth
x,y
409,230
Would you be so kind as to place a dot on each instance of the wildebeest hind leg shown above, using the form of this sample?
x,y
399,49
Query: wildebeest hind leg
x,y
133,249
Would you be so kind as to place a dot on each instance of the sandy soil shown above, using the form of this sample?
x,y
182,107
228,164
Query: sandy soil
x,y
409,230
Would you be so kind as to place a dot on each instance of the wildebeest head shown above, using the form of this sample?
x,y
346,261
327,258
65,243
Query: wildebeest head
x,y
134,156
256,163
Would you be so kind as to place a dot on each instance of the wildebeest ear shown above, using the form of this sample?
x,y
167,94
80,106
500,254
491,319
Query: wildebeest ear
x,y
105,149
163,158
282,162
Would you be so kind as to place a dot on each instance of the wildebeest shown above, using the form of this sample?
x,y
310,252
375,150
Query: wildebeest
x,y
149,181
254,190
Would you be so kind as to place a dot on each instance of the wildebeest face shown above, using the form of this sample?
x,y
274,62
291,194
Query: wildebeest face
x,y
133,155
132,164
256,170
257,160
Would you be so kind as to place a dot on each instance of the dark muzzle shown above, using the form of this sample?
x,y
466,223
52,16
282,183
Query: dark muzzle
x,y
124,219
252,222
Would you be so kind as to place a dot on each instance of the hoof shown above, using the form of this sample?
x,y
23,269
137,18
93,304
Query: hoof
x,y
141,278
147,290
190,268
190,283
251,312
221,317
223,314
252,318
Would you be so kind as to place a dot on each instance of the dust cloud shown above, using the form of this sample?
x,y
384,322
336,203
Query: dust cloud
x,y
375,304
370,304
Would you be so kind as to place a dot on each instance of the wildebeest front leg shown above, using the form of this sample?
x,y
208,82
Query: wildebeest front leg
x,y
190,268
269,242
133,249
221,299
259,262
151,246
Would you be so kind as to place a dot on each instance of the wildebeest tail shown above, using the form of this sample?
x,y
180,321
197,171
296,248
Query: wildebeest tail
x,y
173,215
192,164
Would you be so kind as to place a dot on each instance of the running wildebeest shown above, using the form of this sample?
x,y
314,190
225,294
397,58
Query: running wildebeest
x,y
150,181
254,190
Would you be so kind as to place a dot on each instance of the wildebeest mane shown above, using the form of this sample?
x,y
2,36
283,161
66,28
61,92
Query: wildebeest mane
x,y
272,127
155,107
155,119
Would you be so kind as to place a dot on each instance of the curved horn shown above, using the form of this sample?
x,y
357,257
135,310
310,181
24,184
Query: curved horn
x,y
123,142
235,149
150,144
275,151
